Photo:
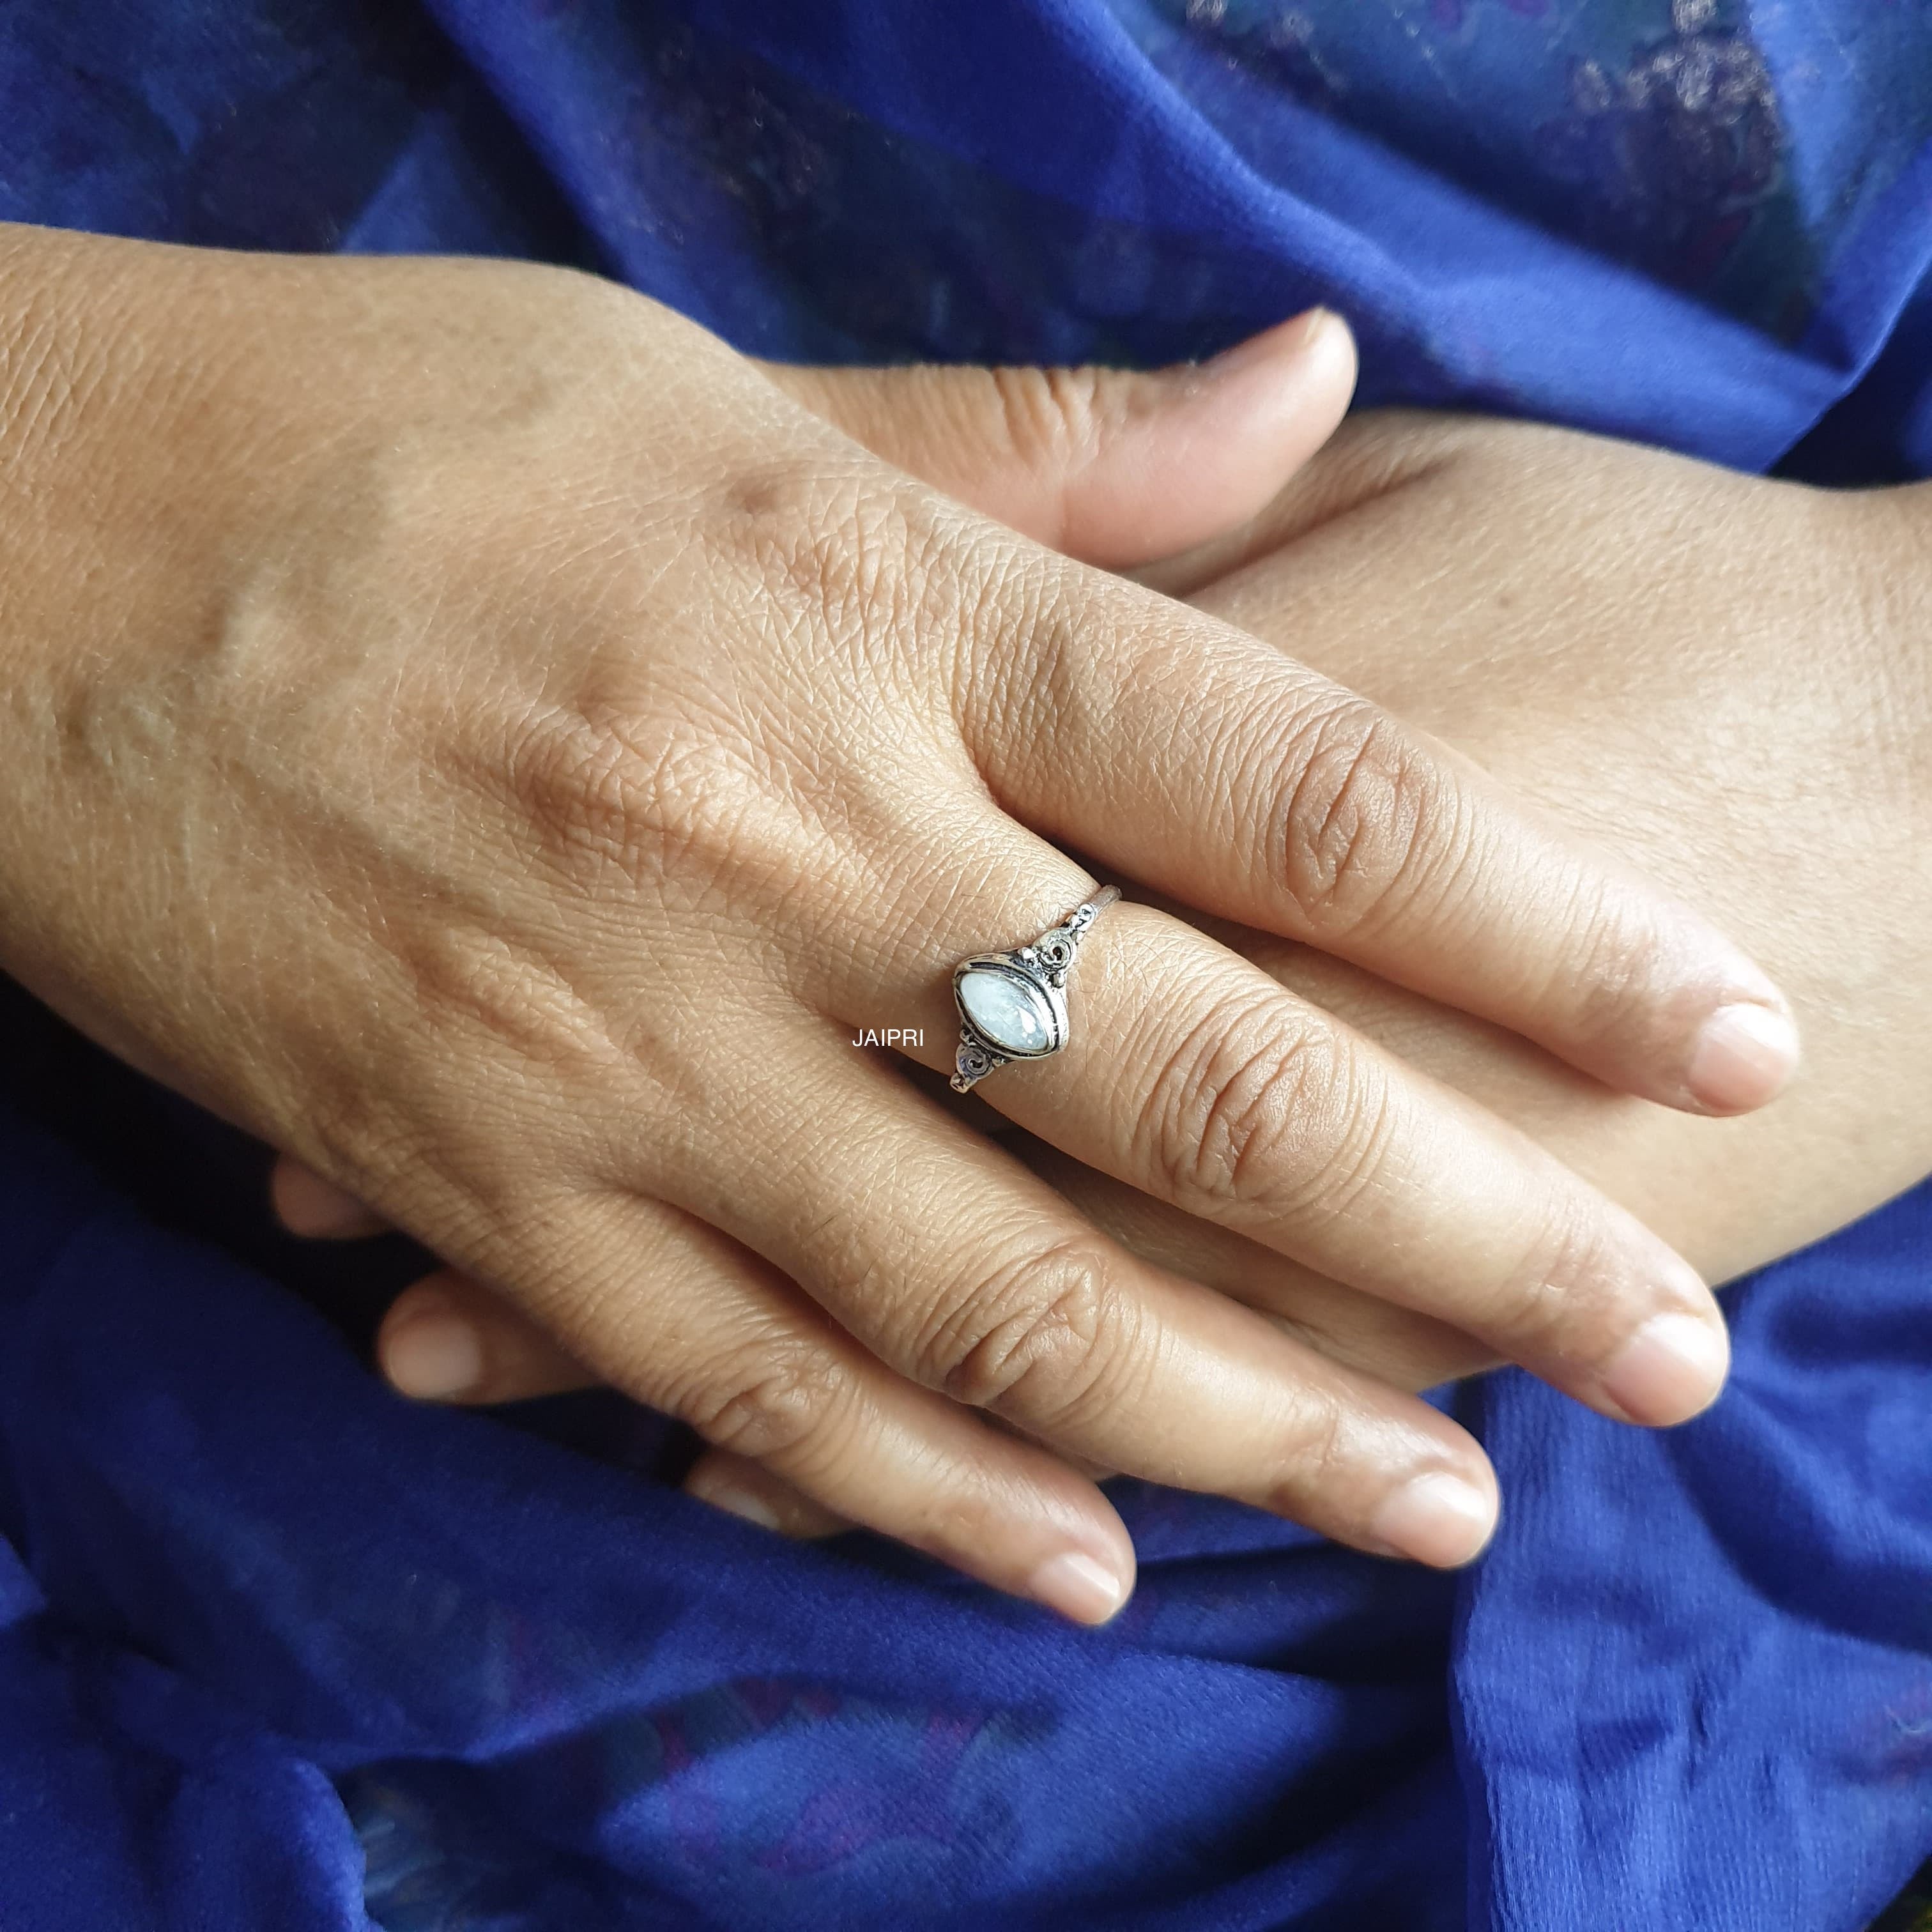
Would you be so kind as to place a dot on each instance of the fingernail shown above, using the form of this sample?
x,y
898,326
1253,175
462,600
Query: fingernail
x,y
1079,1587
1743,1058
1672,1368
1438,1519
740,1503
433,1357
1296,336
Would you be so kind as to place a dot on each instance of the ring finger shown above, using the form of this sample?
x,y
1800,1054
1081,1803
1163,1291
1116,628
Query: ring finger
x,y
1193,1075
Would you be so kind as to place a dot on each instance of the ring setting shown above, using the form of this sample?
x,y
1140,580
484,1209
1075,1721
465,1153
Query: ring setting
x,y
1012,1006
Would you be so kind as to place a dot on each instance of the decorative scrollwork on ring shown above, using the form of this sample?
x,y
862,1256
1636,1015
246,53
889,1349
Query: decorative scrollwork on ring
x,y
972,1062
1054,952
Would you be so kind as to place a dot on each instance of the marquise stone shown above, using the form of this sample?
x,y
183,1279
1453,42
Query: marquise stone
x,y
1013,1013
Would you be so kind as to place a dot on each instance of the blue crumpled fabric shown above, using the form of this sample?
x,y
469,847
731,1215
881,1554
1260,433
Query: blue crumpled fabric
x,y
279,1651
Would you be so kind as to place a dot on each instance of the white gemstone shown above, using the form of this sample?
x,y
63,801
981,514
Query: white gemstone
x,y
1012,1013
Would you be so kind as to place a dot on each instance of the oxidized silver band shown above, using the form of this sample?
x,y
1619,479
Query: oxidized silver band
x,y
1012,1006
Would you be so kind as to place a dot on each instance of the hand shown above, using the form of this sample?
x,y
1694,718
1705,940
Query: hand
x,y
1814,852
1724,677
474,730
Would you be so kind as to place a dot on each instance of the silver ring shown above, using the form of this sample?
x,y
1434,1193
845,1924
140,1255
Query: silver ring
x,y
1012,1006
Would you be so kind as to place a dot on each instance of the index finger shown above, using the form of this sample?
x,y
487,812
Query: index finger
x,y
1195,758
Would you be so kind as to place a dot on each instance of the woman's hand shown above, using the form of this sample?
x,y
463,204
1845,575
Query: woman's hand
x,y
471,728
1724,678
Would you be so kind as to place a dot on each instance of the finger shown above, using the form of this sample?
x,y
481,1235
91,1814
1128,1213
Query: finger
x,y
306,1204
668,1310
1193,756
957,1267
1192,1076
1116,466
447,1338
747,1489
1374,453
1395,1344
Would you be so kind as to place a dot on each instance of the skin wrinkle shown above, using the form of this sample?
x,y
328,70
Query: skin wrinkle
x,y
1319,1460
1347,799
1354,1169
1011,679
1222,752
712,1195
1552,1295
49,376
853,823
778,1398
598,1297
1613,962
1047,415
1439,870
1199,1121
1044,1318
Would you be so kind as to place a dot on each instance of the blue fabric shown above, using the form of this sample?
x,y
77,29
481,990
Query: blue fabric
x,y
279,1651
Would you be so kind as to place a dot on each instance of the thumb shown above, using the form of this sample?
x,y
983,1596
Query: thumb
x,y
1117,467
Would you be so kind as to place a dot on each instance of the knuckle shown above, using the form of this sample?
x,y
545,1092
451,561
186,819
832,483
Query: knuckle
x,y
1050,419
577,780
1617,956
1034,1339
1320,1458
771,1403
1544,1305
1254,1114
660,797
46,380
491,987
1364,816
1038,671
353,1133
849,552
